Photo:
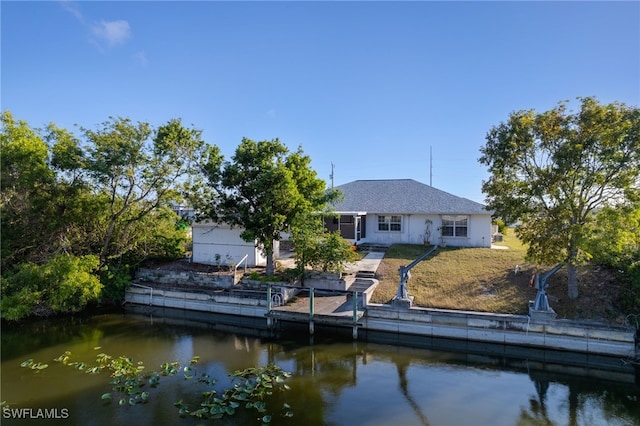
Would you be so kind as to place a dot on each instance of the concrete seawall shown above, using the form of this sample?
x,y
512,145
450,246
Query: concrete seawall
x,y
504,329
202,302
593,338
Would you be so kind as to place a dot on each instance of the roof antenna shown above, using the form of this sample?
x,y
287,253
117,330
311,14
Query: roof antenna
x,y
331,175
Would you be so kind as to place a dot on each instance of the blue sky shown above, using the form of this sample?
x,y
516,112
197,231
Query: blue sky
x,y
368,86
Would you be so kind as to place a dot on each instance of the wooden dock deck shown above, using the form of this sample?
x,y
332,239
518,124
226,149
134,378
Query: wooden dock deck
x,y
328,308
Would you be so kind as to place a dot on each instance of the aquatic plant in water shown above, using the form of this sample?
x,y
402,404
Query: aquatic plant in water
x,y
249,391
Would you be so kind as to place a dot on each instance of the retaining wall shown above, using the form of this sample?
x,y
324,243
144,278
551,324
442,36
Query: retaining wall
x,y
203,279
506,329
519,330
215,303
328,281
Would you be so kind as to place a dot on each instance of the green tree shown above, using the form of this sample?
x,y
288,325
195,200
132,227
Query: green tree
x,y
263,190
614,235
318,248
134,169
24,159
26,182
79,209
41,212
614,241
304,237
65,283
105,193
334,252
552,170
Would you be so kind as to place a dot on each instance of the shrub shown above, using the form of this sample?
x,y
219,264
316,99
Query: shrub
x,y
502,227
333,253
631,287
64,284
116,279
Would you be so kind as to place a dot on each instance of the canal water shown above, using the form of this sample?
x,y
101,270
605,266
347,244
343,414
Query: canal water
x,y
335,381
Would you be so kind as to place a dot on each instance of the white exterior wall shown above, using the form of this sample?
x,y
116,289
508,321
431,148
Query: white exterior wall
x,y
478,233
210,240
414,226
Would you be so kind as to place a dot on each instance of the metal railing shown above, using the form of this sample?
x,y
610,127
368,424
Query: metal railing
x,y
145,287
244,259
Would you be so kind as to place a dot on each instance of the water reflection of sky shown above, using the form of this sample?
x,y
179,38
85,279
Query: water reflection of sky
x,y
348,383
432,394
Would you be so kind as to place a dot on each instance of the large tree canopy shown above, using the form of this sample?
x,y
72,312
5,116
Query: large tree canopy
x,y
103,195
553,170
27,191
263,190
135,169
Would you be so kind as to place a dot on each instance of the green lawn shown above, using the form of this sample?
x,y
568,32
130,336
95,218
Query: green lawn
x,y
483,279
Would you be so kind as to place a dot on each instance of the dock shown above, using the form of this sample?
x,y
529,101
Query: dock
x,y
349,307
318,307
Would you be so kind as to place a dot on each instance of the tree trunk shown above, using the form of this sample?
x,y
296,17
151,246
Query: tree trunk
x,y
104,253
270,268
572,281
268,251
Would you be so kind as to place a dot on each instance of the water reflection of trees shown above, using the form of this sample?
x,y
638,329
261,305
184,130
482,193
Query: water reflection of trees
x,y
556,395
45,333
402,367
580,395
328,370
537,413
324,371
334,370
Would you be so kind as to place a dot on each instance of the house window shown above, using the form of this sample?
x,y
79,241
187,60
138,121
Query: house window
x,y
390,223
454,226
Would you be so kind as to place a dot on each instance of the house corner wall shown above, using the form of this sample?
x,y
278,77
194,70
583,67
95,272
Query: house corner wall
x,y
414,227
481,230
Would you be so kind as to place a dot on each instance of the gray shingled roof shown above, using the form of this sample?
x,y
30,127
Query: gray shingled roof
x,y
402,196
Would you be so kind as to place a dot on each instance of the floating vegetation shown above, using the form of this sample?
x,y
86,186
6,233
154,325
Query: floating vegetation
x,y
249,391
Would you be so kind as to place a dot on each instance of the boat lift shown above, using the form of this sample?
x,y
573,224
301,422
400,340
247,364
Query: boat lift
x,y
402,297
540,307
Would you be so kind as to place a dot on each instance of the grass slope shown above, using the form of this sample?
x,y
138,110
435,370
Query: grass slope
x,y
483,279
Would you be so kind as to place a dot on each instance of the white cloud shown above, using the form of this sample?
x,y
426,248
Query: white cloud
x,y
271,113
111,32
72,9
141,58
103,33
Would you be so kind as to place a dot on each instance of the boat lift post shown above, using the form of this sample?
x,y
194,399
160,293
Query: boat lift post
x,y
540,307
402,297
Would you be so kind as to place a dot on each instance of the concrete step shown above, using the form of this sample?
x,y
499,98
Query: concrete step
x,y
361,285
374,247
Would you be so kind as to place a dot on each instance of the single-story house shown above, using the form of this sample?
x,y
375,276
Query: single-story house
x,y
184,211
406,211
220,244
